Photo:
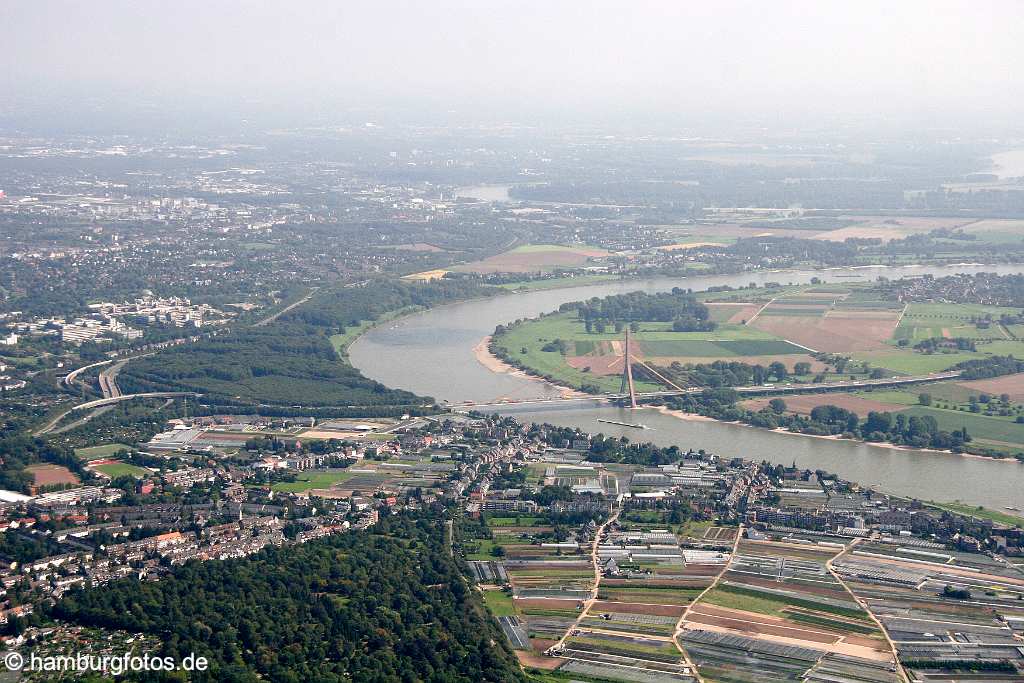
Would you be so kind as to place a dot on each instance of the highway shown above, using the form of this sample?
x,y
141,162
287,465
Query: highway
x,y
107,379
101,402
72,376
756,390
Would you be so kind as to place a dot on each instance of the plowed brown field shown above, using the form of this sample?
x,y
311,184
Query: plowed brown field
x,y
1008,384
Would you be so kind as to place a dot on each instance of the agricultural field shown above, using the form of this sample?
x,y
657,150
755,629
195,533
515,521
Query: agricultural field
x,y
830,322
426,275
834,229
647,584
803,404
951,403
783,608
627,632
926,321
859,336
776,612
758,327
946,611
530,577
729,312
1012,385
984,429
596,358
888,228
558,282
944,321
529,258
957,405
996,231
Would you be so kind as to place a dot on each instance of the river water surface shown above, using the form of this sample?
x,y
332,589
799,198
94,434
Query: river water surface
x,y
431,353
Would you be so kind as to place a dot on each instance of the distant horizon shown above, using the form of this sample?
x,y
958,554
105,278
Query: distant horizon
x,y
911,64
125,112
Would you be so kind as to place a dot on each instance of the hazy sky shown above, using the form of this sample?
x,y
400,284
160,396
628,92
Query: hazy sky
x,y
861,56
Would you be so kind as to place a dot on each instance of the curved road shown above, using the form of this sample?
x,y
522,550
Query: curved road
x,y
101,402
72,376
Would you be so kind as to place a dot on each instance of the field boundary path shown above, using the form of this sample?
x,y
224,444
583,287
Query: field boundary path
x,y
902,313
595,559
754,317
682,619
864,606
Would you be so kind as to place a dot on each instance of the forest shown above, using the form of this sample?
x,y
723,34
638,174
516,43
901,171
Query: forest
x,y
678,307
993,366
381,606
719,373
291,362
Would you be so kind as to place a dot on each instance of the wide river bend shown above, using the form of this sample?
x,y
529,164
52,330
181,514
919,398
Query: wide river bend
x,y
431,353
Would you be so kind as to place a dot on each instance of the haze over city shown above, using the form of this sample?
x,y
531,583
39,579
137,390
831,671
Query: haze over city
x,y
512,342
776,62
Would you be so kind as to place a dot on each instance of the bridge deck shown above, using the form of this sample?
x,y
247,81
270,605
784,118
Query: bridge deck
x,y
749,390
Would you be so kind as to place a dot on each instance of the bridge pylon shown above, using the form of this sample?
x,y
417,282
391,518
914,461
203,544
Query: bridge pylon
x,y
627,374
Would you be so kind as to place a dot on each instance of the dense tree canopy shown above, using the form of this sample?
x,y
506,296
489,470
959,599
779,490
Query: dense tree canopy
x,y
292,361
677,307
385,606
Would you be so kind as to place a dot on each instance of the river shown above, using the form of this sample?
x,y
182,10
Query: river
x,y
431,353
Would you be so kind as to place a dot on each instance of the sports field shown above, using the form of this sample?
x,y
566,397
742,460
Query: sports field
x,y
106,450
119,469
47,475
312,480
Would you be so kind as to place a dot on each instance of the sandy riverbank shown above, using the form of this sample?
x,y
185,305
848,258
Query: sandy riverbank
x,y
483,355
680,415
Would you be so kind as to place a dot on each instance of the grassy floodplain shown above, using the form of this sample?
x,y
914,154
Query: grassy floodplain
x,y
654,339
790,324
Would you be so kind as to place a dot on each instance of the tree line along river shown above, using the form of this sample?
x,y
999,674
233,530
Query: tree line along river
x,y
431,353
